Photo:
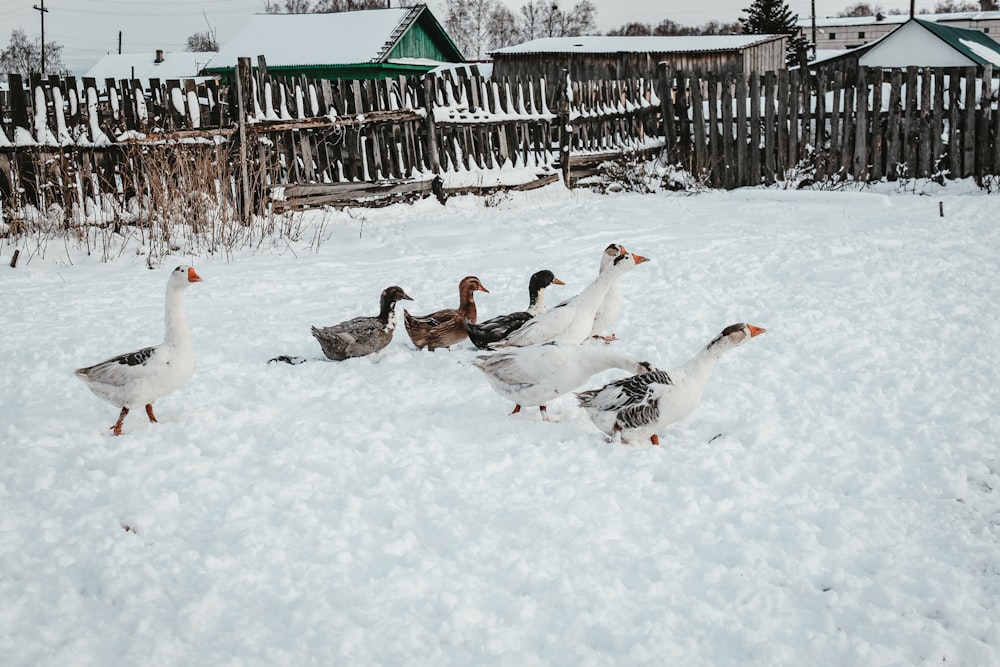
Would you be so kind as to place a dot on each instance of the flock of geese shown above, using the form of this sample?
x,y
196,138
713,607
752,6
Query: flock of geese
x,y
530,357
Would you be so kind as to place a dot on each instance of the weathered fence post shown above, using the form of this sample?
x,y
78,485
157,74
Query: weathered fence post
x,y
432,145
667,109
242,76
565,130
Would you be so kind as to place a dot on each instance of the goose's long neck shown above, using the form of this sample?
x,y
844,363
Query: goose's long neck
x,y
699,367
596,359
176,322
601,284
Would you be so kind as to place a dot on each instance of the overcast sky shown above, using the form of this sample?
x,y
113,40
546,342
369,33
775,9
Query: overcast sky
x,y
88,29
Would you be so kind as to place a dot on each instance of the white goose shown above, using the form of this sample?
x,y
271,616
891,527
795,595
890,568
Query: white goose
x,y
572,320
536,374
141,377
634,408
611,307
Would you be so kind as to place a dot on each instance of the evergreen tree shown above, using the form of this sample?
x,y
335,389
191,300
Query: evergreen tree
x,y
773,17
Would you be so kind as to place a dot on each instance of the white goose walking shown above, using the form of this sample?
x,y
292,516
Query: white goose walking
x,y
141,377
611,307
536,374
634,408
572,320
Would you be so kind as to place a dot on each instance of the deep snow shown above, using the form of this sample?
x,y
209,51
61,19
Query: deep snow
x,y
388,511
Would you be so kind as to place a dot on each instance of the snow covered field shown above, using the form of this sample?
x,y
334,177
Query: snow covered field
x,y
833,501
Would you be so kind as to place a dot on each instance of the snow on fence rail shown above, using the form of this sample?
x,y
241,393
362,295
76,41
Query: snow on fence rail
x,y
271,143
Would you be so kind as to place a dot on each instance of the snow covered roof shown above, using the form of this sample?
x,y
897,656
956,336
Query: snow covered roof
x,y
924,43
144,66
840,21
639,44
364,36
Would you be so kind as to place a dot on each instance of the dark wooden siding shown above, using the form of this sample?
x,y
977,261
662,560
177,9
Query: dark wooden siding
x,y
758,58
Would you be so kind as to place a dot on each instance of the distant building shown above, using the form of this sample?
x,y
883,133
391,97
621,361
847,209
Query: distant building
x,y
923,43
160,65
841,33
364,44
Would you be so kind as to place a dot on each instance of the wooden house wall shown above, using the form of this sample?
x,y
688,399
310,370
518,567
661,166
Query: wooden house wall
x,y
417,43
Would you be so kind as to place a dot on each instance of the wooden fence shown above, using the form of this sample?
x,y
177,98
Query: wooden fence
x,y
864,126
268,143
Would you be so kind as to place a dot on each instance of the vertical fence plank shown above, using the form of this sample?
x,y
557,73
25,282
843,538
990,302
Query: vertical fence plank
x,y
821,136
726,99
910,127
894,152
938,123
984,162
925,129
753,177
682,103
742,157
836,122
850,127
666,95
713,133
770,127
701,165
861,125
969,123
781,154
877,153
794,117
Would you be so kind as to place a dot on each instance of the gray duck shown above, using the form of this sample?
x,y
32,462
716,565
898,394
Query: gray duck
x,y
362,336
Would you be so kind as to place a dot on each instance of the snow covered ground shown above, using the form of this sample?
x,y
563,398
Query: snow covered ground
x,y
833,501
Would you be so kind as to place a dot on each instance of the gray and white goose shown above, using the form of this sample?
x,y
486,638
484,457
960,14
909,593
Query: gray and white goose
x,y
635,408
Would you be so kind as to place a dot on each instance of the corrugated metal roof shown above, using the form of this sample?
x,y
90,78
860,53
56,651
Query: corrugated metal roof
x,y
640,44
973,44
355,37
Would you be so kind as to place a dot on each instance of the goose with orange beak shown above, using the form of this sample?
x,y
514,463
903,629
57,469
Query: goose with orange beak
x,y
633,409
139,378
572,320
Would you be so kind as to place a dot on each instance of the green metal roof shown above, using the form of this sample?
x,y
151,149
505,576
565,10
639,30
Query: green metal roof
x,y
973,44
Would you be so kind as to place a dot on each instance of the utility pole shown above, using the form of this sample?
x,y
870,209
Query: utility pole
x,y
42,12
814,27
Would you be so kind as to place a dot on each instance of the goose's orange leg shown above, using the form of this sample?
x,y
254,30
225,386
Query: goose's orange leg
x,y
149,412
117,428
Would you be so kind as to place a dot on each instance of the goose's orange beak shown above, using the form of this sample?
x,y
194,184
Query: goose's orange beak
x,y
556,281
755,331
639,259
193,276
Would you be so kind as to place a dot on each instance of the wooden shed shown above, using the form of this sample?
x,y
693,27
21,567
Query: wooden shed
x,y
613,57
363,44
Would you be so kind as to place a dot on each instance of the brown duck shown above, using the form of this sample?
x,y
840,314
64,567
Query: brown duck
x,y
445,327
